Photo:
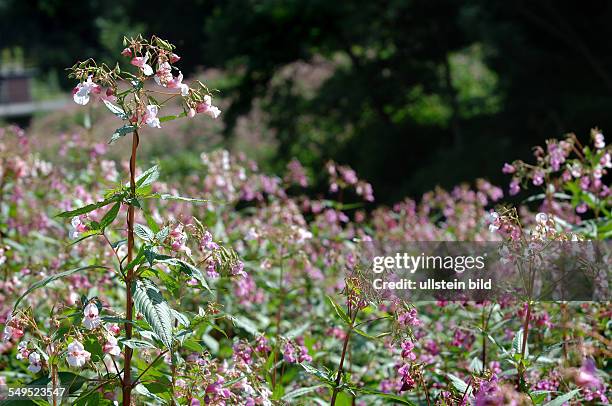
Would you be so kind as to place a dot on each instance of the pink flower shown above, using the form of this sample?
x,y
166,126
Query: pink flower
x,y
77,356
587,375
206,107
91,319
174,58
600,142
127,52
141,62
109,95
35,362
150,117
508,168
81,92
111,347
514,187
79,227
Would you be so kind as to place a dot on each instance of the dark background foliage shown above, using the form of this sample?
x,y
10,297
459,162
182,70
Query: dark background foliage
x,y
413,94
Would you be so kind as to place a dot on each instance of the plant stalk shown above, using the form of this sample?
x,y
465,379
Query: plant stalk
x,y
129,305
341,366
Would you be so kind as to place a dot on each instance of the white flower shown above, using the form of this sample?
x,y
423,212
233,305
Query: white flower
x,y
206,107
541,218
151,116
79,227
111,346
600,142
81,92
184,89
91,318
77,356
8,333
35,364
141,62
493,218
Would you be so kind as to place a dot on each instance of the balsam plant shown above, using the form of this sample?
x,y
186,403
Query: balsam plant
x,y
161,254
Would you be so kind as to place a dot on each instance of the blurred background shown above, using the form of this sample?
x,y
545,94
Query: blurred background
x,y
411,94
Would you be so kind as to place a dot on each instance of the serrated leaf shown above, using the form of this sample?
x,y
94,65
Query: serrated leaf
x,y
52,278
171,117
134,343
459,384
300,392
110,216
322,376
167,196
148,177
121,132
562,399
150,302
517,343
89,207
116,110
144,232
383,395
339,311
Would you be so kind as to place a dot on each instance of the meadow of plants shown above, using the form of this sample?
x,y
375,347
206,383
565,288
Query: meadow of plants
x,y
232,286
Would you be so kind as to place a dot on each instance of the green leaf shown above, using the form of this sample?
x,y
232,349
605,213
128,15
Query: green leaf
x,y
339,311
517,343
148,177
135,343
141,389
116,110
166,196
562,399
300,392
245,324
144,232
52,278
90,207
459,384
383,395
151,304
171,117
538,396
121,132
93,345
320,375
110,216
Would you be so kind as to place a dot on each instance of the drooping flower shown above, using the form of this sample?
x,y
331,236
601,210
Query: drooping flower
x,y
141,62
541,218
600,142
207,242
206,107
238,269
111,347
81,92
35,362
587,375
91,318
77,356
508,168
515,187
150,117
79,227
494,221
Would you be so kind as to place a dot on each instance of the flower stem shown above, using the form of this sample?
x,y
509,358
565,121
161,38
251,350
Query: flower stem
x,y
127,378
344,348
